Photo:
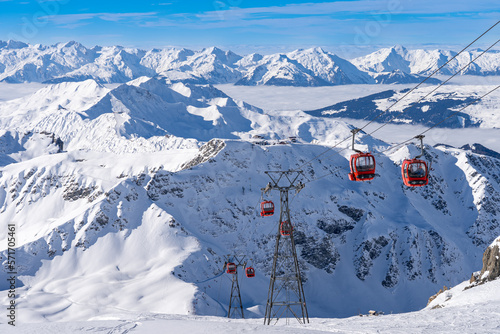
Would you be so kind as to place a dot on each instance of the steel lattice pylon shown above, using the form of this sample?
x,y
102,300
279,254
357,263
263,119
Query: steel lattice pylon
x,y
235,304
286,295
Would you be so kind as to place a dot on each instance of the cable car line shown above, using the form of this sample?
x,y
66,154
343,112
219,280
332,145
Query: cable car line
x,y
428,77
407,141
209,279
435,125
405,95
427,95
332,172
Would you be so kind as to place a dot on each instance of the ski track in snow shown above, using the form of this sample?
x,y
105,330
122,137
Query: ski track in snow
x,y
475,310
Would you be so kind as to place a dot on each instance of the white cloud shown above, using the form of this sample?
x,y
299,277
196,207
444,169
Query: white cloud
x,y
75,19
366,7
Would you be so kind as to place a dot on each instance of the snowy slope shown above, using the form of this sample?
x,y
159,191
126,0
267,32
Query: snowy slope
x,y
210,65
470,311
329,67
111,64
90,116
279,70
311,67
354,247
399,77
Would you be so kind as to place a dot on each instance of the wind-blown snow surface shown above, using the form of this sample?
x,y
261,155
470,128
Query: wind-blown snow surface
x,y
470,311
137,211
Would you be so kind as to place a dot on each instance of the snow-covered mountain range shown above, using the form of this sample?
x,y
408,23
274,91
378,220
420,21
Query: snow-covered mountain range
x,y
126,199
20,62
424,62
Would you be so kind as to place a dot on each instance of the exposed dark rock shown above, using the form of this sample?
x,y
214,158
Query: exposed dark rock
x,y
368,251
322,254
437,294
207,151
354,213
74,192
491,265
336,227
391,278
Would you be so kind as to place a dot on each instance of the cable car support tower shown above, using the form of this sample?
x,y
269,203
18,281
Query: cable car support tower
x,y
235,304
286,296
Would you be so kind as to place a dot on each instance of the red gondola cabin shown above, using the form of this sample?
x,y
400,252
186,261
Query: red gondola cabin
x,y
362,167
415,172
266,208
286,228
231,268
250,272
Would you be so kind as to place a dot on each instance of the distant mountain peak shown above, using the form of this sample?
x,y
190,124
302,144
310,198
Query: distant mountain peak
x,y
480,149
11,44
399,48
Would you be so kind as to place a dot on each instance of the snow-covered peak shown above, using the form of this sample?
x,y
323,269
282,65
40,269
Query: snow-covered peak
x,y
424,62
249,60
165,59
399,49
280,70
71,61
70,44
11,44
330,67
384,60
226,57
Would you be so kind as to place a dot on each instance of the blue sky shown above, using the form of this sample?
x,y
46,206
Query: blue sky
x,y
350,26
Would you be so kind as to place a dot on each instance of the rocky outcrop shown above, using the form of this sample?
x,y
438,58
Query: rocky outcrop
x,y
491,265
437,294
207,151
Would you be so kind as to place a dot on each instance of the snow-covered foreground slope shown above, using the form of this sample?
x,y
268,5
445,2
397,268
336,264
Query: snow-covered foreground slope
x,y
104,234
470,311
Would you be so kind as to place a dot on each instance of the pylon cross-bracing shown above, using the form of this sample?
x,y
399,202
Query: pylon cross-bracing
x,y
235,305
286,297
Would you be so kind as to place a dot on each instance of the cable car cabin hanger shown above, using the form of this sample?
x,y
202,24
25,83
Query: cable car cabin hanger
x,y
231,268
250,272
286,228
362,164
266,208
415,172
